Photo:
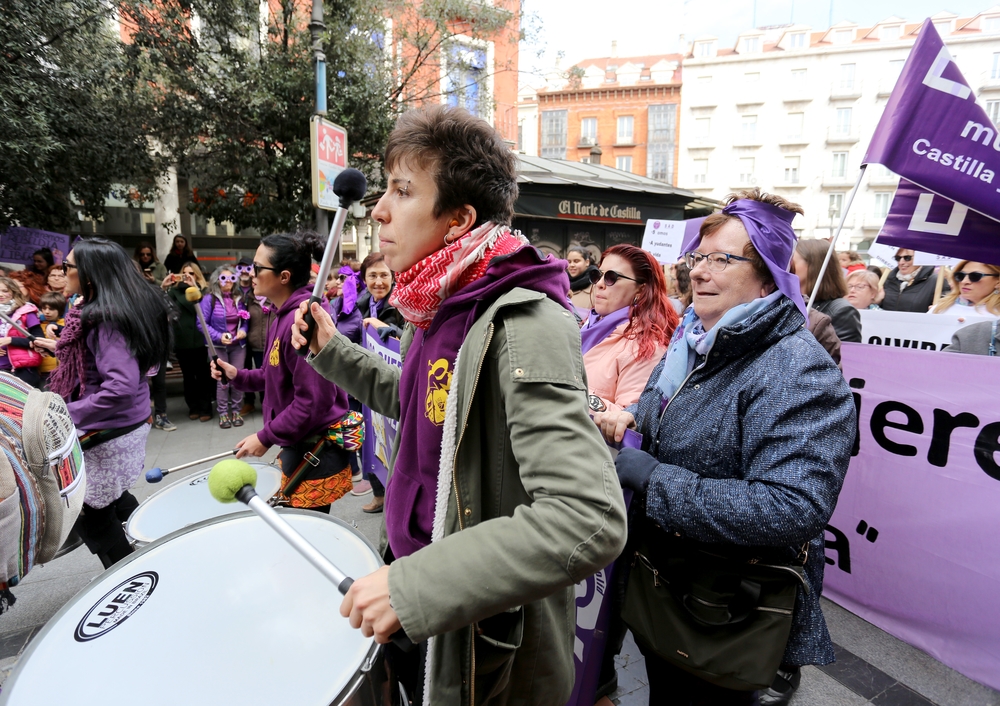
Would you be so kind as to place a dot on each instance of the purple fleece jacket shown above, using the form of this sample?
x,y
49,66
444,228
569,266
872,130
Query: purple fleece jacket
x,y
215,318
426,379
115,393
298,401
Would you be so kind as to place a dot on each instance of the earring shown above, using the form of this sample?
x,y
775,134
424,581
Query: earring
x,y
454,223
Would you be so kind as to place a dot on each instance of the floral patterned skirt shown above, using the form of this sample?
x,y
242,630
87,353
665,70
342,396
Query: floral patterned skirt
x,y
114,466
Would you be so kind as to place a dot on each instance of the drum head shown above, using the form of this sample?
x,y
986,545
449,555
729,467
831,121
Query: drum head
x,y
223,612
188,501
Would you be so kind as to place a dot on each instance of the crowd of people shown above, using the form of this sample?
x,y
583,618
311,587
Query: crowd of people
x,y
519,372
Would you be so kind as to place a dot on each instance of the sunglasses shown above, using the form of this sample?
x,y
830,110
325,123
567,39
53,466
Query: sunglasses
x,y
244,269
609,277
257,268
223,278
66,266
973,276
904,258
341,278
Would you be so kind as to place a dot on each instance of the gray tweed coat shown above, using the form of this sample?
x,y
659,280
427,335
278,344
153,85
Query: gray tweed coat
x,y
753,450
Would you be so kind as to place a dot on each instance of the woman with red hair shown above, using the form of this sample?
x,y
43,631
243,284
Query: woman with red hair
x,y
629,327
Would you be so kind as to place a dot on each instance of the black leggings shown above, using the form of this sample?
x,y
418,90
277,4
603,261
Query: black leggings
x,y
101,529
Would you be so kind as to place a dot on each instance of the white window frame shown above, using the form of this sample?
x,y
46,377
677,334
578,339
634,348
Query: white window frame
x,y
699,171
838,164
883,199
623,163
626,137
993,111
748,135
792,165
795,123
588,136
835,202
797,40
847,75
746,177
751,45
840,126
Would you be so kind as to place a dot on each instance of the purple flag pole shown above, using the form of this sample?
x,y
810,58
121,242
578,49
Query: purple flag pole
x,y
833,240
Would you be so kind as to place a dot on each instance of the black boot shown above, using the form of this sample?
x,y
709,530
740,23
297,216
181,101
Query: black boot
x,y
786,681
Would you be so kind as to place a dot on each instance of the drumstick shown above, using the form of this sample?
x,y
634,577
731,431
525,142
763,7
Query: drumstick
x,y
18,327
235,480
193,295
155,475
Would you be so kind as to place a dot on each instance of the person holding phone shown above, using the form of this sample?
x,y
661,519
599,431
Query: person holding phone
x,y
152,269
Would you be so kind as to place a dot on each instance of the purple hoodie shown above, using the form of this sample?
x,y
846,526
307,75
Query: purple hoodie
x,y
426,380
299,402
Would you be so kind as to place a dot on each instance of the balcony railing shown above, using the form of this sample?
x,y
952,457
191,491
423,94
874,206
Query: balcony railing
x,y
841,136
845,90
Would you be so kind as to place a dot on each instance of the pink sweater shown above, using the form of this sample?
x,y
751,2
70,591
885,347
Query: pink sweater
x,y
613,372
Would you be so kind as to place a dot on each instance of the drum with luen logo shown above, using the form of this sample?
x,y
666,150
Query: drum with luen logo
x,y
222,612
188,501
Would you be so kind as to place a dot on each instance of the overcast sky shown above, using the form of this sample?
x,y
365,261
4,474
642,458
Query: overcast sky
x,y
585,28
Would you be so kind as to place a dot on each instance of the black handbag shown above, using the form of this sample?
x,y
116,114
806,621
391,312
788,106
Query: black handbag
x,y
720,612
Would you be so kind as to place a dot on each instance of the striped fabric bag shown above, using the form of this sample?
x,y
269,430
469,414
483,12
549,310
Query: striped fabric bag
x,y
42,479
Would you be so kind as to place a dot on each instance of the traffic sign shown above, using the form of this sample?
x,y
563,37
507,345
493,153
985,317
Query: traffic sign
x,y
329,158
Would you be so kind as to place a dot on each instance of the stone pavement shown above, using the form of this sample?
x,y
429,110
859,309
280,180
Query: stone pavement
x,y
872,666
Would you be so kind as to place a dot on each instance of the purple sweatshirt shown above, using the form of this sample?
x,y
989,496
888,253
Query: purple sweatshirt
x,y
298,401
115,393
426,380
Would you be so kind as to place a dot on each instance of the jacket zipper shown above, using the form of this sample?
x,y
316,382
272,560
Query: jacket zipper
x,y
458,502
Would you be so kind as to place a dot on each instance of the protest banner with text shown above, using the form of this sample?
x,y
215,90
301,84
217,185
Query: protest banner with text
x,y
17,244
911,546
933,132
380,431
905,329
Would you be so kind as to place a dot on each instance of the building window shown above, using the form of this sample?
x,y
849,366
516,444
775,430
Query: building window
x,y
588,131
995,71
465,78
843,125
839,167
748,128
626,127
661,142
882,201
699,171
847,77
792,170
834,205
703,49
943,27
554,134
702,127
797,40
991,25
751,45
752,77
798,77
795,124
746,171
993,111
843,36
879,171
890,33
623,164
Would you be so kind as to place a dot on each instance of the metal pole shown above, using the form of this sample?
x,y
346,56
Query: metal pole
x,y
316,29
833,240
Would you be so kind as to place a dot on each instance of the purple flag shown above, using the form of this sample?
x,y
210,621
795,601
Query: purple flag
x,y
921,220
935,134
691,228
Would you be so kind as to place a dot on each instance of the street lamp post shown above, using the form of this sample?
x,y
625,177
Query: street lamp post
x,y
316,29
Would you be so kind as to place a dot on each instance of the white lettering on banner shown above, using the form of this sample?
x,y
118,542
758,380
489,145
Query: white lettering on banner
x,y
962,164
663,239
883,254
920,223
905,329
935,77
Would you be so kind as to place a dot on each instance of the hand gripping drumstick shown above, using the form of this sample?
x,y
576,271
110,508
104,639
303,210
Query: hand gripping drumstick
x,y
350,185
235,480
193,295
155,475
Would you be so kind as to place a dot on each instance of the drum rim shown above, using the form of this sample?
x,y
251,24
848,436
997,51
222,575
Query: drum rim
x,y
352,685
170,486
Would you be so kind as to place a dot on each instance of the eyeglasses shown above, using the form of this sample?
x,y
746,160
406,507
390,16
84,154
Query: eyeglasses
x,y
973,276
257,268
244,269
609,277
856,287
66,266
341,278
904,258
223,278
716,261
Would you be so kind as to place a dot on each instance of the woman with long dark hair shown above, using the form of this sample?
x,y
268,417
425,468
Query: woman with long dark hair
x,y
299,405
121,331
180,253
629,327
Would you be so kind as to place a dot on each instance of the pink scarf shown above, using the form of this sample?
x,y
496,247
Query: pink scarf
x,y
420,290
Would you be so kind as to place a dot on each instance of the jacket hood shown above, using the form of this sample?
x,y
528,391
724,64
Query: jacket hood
x,y
296,298
527,268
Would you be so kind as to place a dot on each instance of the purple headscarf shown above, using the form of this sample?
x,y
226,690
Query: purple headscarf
x,y
349,289
770,231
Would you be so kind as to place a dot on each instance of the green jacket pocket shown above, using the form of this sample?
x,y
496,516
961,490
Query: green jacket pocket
x,y
497,641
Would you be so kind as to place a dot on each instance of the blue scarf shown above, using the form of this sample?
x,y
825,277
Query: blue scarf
x,y
598,328
690,340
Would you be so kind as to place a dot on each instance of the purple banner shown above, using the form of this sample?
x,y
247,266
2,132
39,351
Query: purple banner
x,y
691,228
935,134
593,613
17,244
380,431
921,220
912,546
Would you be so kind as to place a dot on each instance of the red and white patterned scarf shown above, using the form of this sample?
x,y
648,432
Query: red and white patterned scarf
x,y
420,290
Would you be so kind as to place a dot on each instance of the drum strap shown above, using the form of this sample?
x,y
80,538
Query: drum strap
x,y
309,458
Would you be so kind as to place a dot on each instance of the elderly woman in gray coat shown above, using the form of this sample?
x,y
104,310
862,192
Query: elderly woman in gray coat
x,y
747,426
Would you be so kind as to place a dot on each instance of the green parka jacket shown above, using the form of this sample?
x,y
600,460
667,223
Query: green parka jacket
x,y
534,506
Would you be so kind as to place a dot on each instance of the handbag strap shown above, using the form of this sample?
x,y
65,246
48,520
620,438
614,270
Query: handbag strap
x,y
308,458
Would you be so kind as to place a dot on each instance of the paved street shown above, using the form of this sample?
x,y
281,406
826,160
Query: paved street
x,y
872,667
